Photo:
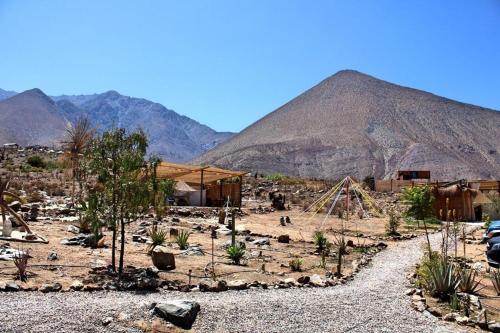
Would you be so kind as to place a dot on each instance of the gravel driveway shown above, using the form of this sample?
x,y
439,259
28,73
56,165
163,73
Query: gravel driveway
x,y
373,302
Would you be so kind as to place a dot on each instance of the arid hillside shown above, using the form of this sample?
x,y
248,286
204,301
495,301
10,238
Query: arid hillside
x,y
354,124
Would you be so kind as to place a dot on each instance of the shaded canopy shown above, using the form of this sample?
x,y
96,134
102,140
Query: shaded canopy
x,y
192,174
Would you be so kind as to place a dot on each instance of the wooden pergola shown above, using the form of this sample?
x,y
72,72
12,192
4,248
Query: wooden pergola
x,y
196,174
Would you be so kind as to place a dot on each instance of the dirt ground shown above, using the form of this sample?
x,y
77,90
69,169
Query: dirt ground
x,y
74,262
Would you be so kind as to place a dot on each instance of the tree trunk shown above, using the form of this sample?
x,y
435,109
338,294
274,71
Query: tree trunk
x,y
122,247
428,240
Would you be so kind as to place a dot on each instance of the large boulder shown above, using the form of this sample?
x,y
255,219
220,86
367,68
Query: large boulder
x,y
162,258
179,312
284,239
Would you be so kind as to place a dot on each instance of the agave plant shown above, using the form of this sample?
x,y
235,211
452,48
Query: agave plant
x,y
320,241
182,239
495,280
443,280
158,236
468,283
235,253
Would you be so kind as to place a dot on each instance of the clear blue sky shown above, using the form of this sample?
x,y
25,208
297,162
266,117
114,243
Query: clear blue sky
x,y
228,63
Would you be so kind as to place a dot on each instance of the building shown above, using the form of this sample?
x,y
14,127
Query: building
x,y
203,185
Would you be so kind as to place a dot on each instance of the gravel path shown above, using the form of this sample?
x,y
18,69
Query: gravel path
x,y
373,302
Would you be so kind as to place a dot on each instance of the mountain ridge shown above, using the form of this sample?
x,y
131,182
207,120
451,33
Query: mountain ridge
x,y
355,124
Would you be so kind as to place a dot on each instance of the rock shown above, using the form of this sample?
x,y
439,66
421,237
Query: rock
x,y
46,288
15,205
290,281
451,316
237,285
3,285
162,258
106,321
262,241
179,312
73,229
462,320
410,291
53,256
304,279
139,238
237,242
76,285
435,311
381,245
12,286
495,327
223,231
193,250
419,306
284,239
316,280
350,243
213,286
176,219
417,298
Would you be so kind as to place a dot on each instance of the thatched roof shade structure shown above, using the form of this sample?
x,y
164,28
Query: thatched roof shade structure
x,y
200,176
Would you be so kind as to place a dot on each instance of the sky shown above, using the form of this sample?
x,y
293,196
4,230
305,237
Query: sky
x,y
227,63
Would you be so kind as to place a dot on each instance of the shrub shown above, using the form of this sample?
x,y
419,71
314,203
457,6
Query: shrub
x,y
235,253
393,224
296,264
36,162
443,280
158,236
21,262
455,303
320,241
495,280
426,265
486,219
468,283
182,239
275,177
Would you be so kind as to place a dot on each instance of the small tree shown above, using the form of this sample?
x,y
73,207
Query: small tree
x,y
393,223
419,201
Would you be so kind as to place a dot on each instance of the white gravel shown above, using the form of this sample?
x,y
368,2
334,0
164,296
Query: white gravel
x,y
373,302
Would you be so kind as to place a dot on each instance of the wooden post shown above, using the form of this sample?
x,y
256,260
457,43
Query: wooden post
x,y
241,182
201,188
233,227
221,195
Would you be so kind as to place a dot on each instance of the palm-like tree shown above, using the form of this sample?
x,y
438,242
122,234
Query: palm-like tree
x,y
77,140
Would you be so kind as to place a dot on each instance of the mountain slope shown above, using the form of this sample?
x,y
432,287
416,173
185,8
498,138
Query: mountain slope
x,y
31,118
354,124
174,137
4,94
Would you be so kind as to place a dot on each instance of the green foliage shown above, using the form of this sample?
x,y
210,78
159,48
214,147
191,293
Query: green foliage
x,y
235,253
158,236
320,241
393,224
468,283
116,160
455,303
443,280
36,162
182,239
427,264
495,280
486,219
275,177
419,201
91,220
296,264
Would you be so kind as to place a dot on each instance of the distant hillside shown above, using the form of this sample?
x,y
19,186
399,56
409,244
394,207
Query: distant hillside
x,y
31,118
4,94
354,124
174,137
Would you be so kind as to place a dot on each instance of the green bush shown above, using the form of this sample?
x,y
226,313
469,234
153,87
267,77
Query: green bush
x,y
158,237
486,219
495,280
443,280
393,224
182,239
36,162
275,177
296,264
455,303
468,283
320,241
235,253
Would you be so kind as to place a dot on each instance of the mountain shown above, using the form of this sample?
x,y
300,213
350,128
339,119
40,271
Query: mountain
x,y
354,124
31,118
173,136
4,94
